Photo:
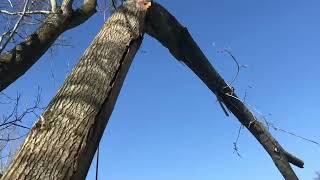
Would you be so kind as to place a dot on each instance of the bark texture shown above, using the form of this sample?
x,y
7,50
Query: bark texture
x,y
165,28
18,60
62,143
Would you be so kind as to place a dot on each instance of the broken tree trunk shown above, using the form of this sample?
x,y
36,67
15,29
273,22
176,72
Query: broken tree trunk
x,y
62,143
166,29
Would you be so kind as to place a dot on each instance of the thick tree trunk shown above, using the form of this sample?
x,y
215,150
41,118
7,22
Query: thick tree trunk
x,y
62,143
165,28
20,59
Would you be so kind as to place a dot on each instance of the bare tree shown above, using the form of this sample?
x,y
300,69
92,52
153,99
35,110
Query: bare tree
x,y
62,143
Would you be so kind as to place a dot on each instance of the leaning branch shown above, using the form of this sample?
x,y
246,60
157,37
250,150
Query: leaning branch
x,y
165,28
19,59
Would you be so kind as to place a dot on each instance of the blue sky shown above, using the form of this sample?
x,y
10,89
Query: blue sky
x,y
168,125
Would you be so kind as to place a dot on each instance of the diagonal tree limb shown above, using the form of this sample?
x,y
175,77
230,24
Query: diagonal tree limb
x,y
165,28
18,60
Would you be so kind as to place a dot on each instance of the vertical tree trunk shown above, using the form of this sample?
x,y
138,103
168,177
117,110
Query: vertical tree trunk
x,y
62,143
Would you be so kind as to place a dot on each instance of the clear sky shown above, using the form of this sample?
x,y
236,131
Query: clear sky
x,y
168,126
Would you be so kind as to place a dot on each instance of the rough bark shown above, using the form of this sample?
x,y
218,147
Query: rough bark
x,y
165,28
18,60
62,143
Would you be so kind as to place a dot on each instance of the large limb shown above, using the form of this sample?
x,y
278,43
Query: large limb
x,y
165,28
19,59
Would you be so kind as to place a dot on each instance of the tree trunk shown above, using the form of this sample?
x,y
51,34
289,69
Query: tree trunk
x,y
62,143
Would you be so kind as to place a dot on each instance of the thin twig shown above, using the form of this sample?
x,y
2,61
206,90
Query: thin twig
x,y
14,117
12,139
238,65
25,13
3,36
292,134
235,144
113,4
10,3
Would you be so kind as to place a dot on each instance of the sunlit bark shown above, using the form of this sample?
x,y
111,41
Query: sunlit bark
x,y
63,141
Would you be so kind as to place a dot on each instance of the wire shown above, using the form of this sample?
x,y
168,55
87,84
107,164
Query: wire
x,y
97,164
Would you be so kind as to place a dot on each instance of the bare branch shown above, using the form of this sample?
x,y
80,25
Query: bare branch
x,y
13,139
164,27
16,117
235,143
238,66
113,4
13,31
53,4
10,3
3,36
83,13
25,13
269,124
